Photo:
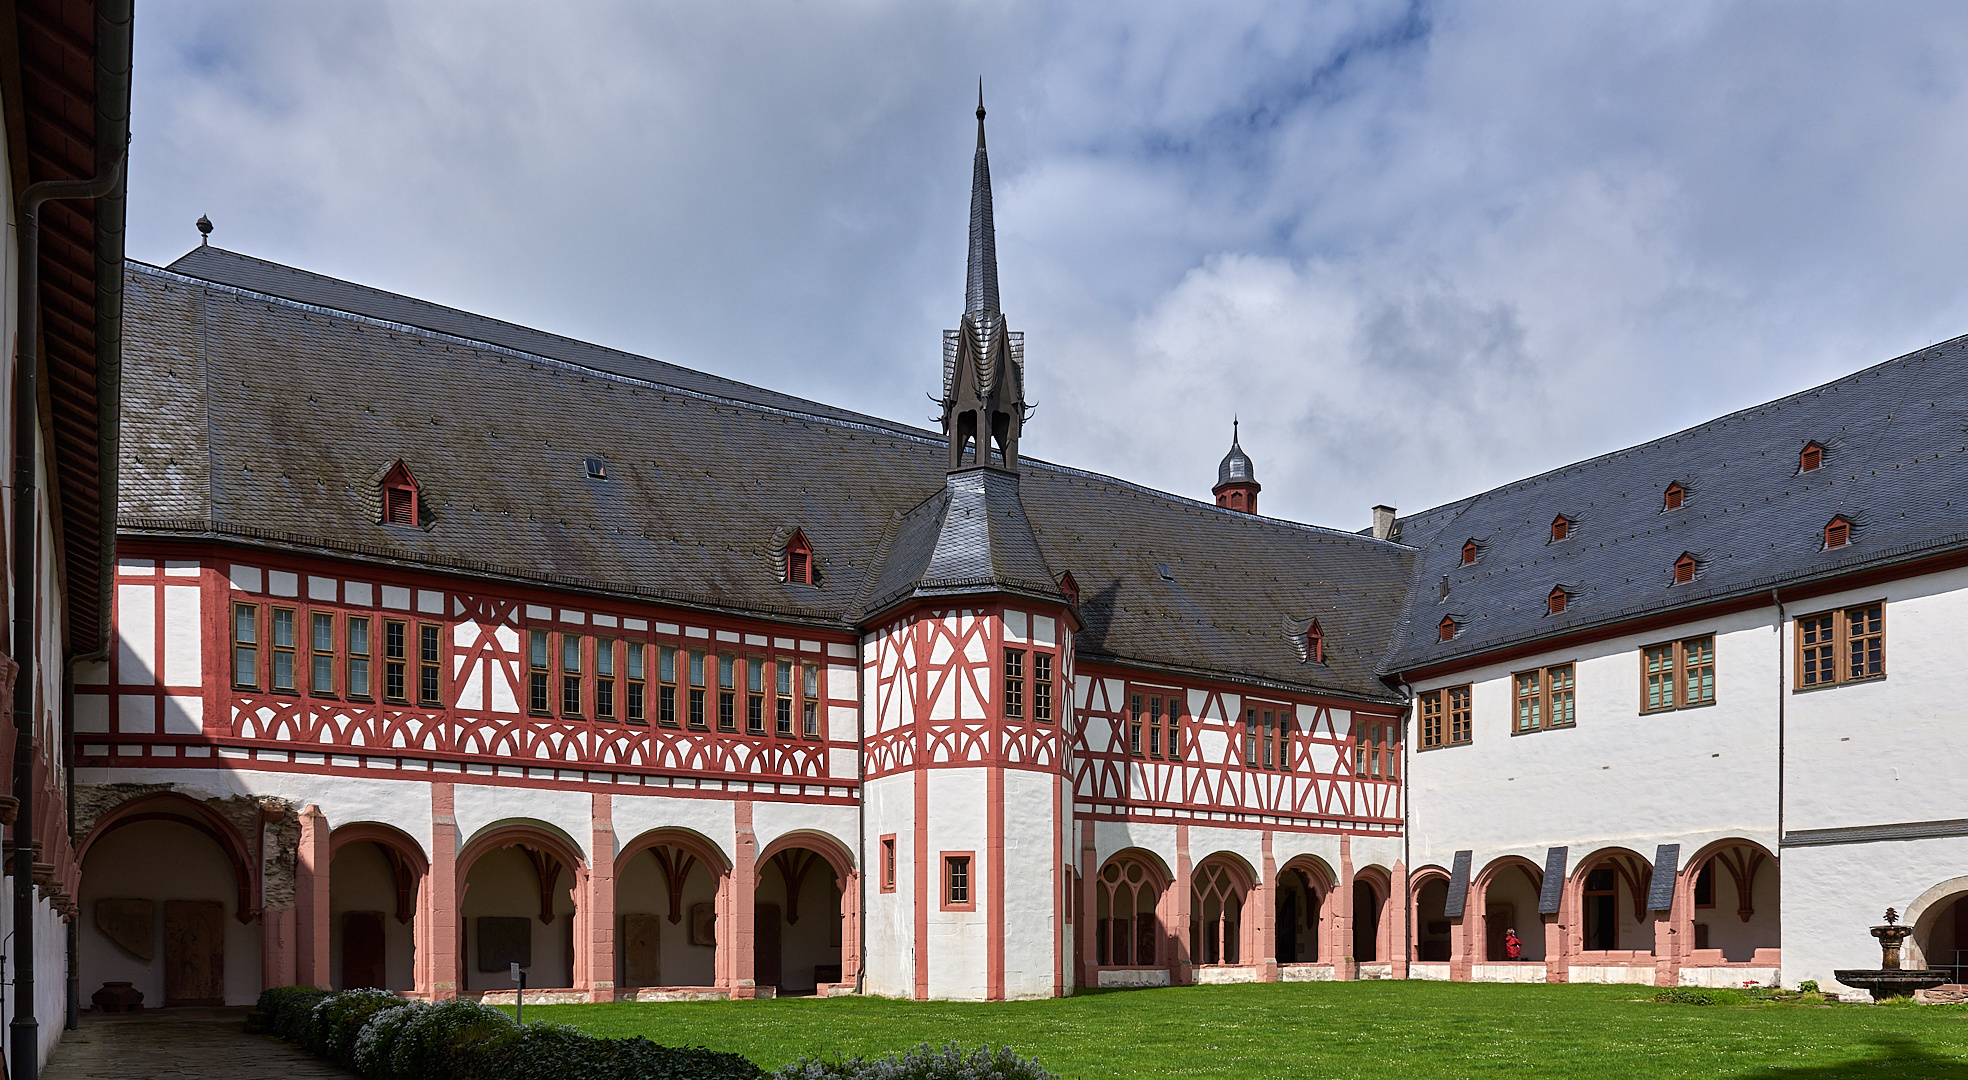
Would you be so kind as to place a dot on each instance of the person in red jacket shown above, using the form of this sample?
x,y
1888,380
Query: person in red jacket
x,y
1513,946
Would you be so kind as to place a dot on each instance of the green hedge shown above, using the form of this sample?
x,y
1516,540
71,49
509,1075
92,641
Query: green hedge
x,y
383,1037
922,1063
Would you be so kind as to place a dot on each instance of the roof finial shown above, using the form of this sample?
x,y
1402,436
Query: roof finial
x,y
981,285
1233,429
204,230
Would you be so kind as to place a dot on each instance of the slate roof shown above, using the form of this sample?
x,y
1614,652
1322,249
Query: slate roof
x,y
973,536
263,402
1895,464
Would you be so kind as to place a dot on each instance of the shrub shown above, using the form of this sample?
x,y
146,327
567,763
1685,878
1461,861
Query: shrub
x,y
1685,995
371,1057
338,1020
284,1010
922,1063
560,1052
1808,986
434,1043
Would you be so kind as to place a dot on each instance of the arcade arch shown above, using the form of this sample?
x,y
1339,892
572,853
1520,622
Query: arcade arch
x,y
1219,917
1370,893
1432,939
516,887
666,893
375,873
1509,888
1304,890
1733,895
1128,894
1609,890
800,912
1939,918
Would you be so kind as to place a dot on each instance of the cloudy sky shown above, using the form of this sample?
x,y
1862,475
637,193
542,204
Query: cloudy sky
x,y
1420,249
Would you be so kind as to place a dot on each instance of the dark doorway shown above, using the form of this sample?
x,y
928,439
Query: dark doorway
x,y
1366,923
362,951
765,945
1601,910
1287,927
194,952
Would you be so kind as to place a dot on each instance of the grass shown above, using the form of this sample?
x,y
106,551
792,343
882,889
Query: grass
x,y
1410,1030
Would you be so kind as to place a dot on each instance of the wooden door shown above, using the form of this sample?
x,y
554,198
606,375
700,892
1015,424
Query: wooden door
x,y
363,951
642,950
194,952
765,945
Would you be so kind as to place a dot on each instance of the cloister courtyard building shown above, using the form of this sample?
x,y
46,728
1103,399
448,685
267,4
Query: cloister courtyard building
x,y
444,644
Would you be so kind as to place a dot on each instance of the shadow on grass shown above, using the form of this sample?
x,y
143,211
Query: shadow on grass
x,y
1891,1057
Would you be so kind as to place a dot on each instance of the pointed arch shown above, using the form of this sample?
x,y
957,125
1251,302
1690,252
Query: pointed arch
x,y
407,862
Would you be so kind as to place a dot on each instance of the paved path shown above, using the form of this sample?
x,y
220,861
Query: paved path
x,y
179,1044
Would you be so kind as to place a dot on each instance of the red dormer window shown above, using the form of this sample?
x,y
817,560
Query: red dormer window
x,y
1470,549
1684,569
1315,644
1448,628
1811,457
1838,532
1557,600
799,560
1070,587
401,497
1672,499
1561,527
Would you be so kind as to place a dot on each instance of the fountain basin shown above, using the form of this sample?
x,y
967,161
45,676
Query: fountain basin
x,y
1887,983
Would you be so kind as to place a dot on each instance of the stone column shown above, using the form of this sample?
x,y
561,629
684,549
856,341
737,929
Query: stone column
x,y
744,890
311,901
1555,967
1345,966
1087,926
444,922
1266,898
1400,914
600,902
1182,970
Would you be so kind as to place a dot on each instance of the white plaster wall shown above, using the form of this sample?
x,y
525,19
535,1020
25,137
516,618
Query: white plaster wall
x,y
404,804
1246,844
1619,778
503,882
1112,836
959,941
1324,846
633,815
156,861
889,962
1880,752
360,880
1833,893
1031,909
641,889
772,820
477,806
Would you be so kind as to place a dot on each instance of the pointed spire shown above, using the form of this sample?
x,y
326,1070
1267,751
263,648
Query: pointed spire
x,y
981,284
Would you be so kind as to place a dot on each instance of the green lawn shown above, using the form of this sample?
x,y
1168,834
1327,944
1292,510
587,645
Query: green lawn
x,y
1411,1030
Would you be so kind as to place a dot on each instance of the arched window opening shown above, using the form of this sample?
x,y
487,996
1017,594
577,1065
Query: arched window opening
x,y
1217,916
799,560
1671,500
1127,932
1811,457
1837,532
1684,569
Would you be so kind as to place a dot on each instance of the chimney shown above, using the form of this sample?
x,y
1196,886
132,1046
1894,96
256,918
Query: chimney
x,y
1383,527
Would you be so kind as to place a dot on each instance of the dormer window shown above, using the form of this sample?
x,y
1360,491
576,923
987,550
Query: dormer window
x,y
1672,499
1561,527
1470,549
1557,600
402,497
596,468
1315,644
1811,457
1070,588
1838,532
1684,568
1447,629
799,560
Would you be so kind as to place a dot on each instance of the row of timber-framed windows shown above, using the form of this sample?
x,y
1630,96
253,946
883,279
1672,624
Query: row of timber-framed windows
x,y
273,645
1154,723
1677,674
1377,749
1842,646
780,693
583,675
1445,716
1544,698
1268,738
1028,685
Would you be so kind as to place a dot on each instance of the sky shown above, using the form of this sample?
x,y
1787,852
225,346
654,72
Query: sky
x,y
1419,250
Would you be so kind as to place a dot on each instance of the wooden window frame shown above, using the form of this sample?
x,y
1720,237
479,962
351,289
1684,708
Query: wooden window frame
x,y
1446,630
667,682
888,857
1685,568
1376,757
727,693
783,707
398,663
241,646
1134,722
1250,737
950,862
1431,718
810,697
1561,528
799,560
365,658
697,717
430,672
1556,601
539,671
1315,643
1542,698
1461,713
1677,655
607,679
1014,684
1155,726
1174,744
1837,532
1470,551
275,651
755,696
317,686
635,681
1044,675
1674,497
564,681
1840,643
1811,457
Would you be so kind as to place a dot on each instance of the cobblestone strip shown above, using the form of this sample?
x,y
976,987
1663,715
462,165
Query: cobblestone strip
x,y
205,1044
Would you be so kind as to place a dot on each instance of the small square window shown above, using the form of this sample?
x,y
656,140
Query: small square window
x,y
959,891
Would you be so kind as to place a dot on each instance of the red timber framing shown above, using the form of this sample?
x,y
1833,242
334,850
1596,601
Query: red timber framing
x,y
372,669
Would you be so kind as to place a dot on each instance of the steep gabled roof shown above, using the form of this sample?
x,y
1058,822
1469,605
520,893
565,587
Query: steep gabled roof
x,y
262,398
1895,465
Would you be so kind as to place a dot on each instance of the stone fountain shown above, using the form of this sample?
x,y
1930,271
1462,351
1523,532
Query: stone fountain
x,y
1890,980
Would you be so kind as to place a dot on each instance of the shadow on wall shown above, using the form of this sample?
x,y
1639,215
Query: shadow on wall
x,y
1890,1057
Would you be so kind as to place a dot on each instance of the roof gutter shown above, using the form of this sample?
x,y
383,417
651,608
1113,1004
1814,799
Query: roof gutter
x,y
114,20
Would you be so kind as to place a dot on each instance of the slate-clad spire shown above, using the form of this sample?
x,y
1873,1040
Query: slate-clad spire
x,y
1236,478
983,362
981,285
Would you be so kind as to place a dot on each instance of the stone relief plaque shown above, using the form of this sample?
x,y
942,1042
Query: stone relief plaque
x,y
131,924
703,925
504,940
